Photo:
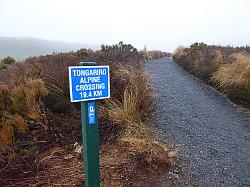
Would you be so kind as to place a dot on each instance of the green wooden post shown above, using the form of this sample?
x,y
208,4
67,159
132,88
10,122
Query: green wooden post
x,y
90,134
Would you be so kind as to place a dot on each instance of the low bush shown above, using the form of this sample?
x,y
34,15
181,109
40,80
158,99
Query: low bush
x,y
19,105
199,60
8,60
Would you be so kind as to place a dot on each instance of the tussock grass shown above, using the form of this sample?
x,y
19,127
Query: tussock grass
x,y
236,74
19,105
179,52
234,78
25,98
133,112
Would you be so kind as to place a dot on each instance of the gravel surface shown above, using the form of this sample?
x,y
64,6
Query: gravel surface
x,y
211,134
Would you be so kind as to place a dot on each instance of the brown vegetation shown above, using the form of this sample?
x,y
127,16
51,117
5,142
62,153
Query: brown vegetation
x,y
19,104
39,126
234,78
225,68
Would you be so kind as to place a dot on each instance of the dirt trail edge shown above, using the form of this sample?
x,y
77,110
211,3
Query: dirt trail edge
x,y
212,135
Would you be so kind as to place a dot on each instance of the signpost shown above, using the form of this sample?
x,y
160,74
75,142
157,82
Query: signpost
x,y
87,83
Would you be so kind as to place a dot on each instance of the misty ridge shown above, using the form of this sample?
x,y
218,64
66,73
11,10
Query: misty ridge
x,y
24,47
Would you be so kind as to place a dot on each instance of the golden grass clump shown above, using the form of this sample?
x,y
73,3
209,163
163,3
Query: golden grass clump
x,y
205,65
218,58
236,74
4,98
234,78
132,111
6,134
19,122
7,130
25,98
18,105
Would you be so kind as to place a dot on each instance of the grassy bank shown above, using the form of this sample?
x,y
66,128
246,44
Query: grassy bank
x,y
40,131
225,68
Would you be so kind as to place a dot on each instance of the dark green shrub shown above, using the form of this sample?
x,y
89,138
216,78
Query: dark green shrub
x,y
120,47
2,65
8,60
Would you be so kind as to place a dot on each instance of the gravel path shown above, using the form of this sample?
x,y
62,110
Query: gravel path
x,y
211,134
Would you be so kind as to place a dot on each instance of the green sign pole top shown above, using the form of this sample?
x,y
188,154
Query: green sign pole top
x,y
87,64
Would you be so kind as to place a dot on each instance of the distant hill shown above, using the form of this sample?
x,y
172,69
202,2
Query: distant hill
x,y
21,48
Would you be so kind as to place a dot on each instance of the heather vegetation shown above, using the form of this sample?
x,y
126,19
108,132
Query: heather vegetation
x,y
40,131
225,68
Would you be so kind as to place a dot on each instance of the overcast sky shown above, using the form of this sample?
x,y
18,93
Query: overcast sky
x,y
158,24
